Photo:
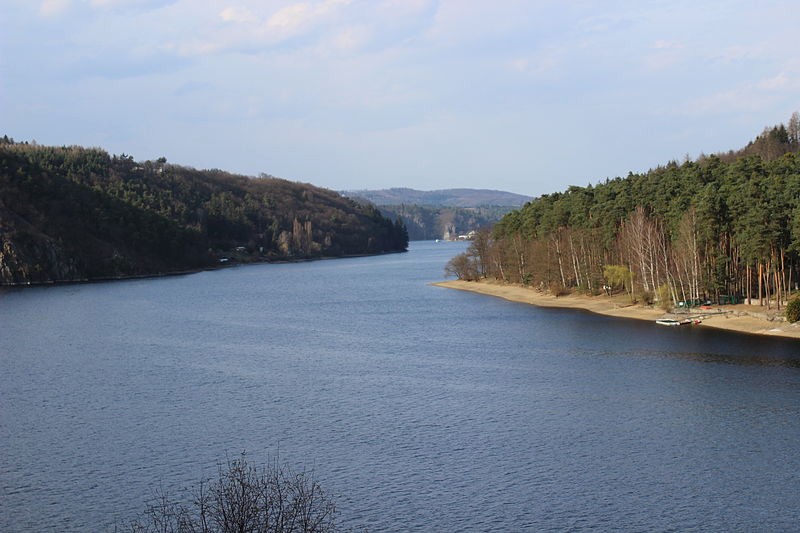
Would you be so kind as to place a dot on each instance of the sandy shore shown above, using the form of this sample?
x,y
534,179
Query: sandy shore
x,y
738,318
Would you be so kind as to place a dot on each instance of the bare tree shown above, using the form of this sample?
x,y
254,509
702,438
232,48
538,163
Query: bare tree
x,y
687,256
640,242
480,249
244,499
794,129
463,267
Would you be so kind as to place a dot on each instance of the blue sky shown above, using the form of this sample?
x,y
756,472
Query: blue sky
x,y
524,96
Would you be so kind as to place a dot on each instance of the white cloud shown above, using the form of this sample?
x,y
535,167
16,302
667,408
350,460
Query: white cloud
x,y
351,38
667,54
384,70
662,60
301,16
125,4
52,8
543,64
753,96
254,27
291,17
737,53
239,15
781,81
741,98
667,45
605,23
456,22
406,7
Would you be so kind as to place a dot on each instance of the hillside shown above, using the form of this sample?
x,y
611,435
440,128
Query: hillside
x,y
723,228
73,213
441,198
442,214
429,222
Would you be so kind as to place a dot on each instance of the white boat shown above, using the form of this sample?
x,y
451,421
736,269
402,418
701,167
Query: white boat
x,y
674,322
671,322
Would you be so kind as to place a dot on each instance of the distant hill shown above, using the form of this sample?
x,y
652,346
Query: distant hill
x,y
425,223
73,213
442,214
441,198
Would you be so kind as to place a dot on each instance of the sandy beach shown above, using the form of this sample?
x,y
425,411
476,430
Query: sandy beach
x,y
740,318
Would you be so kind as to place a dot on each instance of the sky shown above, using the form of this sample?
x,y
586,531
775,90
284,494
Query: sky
x,y
527,96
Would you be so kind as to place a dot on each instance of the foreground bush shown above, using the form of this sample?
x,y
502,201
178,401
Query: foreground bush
x,y
244,499
793,310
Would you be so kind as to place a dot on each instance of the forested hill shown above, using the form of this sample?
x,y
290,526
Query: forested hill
x,y
72,213
442,214
441,198
726,224
426,222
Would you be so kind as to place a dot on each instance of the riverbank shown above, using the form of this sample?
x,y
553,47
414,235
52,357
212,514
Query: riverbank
x,y
171,273
739,318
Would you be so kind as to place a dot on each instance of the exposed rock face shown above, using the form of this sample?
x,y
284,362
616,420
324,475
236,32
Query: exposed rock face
x,y
26,259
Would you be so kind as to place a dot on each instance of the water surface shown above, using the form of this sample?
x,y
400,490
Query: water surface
x,y
420,408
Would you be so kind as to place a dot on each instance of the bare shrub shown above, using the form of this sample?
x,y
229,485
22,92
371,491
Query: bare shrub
x,y
244,499
557,289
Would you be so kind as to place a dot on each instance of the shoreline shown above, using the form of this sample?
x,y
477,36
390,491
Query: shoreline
x,y
173,273
736,320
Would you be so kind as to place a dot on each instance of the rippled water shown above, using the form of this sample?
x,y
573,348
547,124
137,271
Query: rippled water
x,y
420,408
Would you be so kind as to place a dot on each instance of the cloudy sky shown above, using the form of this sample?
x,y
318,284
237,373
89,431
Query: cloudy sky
x,y
528,96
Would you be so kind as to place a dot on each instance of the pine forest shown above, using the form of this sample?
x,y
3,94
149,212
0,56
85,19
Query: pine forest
x,y
722,228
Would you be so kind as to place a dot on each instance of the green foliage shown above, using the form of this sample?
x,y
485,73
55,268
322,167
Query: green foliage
x,y
664,297
793,310
726,224
617,276
71,213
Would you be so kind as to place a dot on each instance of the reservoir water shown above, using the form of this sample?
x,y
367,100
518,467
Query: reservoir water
x,y
419,408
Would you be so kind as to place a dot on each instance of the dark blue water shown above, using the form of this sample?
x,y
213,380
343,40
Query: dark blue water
x,y
419,408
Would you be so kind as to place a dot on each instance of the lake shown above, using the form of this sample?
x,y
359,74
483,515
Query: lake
x,y
419,408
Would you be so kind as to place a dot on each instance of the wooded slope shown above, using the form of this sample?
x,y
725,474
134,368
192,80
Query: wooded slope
x,y
73,213
441,198
726,224
430,222
444,213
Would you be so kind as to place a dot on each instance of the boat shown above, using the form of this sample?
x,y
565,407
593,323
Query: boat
x,y
674,322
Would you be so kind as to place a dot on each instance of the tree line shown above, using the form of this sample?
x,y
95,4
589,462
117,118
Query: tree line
x,y
69,213
723,227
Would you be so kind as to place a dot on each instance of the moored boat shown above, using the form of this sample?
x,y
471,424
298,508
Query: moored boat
x,y
675,322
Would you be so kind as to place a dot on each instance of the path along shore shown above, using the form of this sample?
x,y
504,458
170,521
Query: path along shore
x,y
738,318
